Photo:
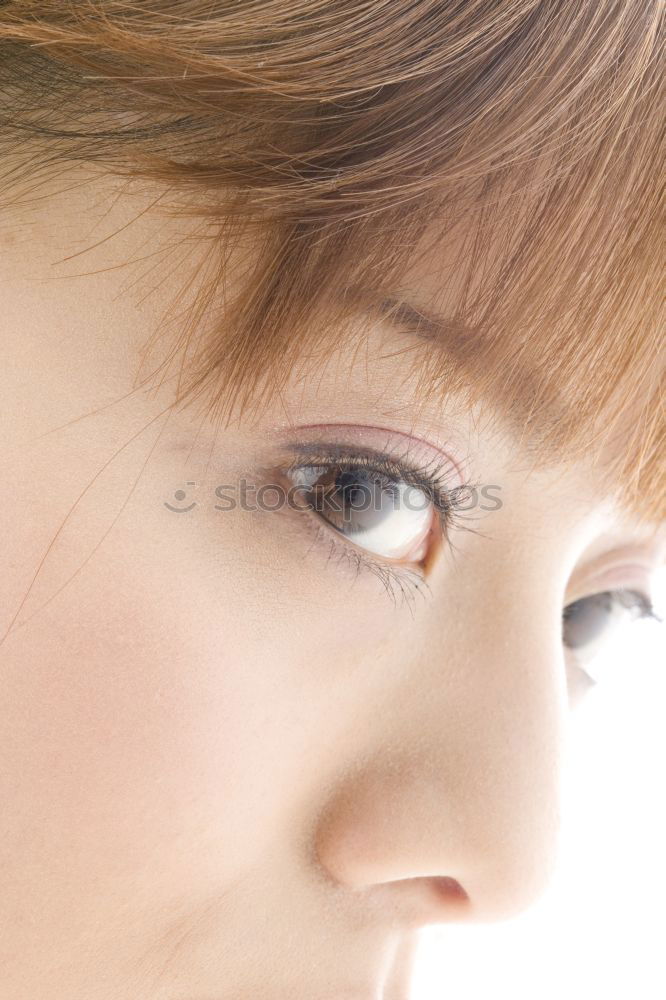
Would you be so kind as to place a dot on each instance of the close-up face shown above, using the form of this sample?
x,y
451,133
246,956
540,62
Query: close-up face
x,y
245,733
280,689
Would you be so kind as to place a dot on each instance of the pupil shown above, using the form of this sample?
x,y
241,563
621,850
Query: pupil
x,y
355,490
349,486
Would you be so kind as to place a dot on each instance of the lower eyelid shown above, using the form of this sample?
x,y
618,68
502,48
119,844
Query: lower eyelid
x,y
398,579
340,538
413,572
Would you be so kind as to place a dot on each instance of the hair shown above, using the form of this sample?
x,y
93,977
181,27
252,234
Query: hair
x,y
336,133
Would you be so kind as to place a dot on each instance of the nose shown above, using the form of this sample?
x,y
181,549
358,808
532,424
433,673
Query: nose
x,y
450,808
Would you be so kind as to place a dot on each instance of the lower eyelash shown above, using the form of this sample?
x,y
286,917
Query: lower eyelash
x,y
402,584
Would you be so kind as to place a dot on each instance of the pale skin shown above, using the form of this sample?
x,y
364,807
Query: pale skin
x,y
232,764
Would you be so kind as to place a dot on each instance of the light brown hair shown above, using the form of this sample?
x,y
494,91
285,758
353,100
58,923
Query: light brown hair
x,y
338,131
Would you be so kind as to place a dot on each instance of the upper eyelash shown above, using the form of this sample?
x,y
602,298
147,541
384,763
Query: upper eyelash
x,y
430,477
637,599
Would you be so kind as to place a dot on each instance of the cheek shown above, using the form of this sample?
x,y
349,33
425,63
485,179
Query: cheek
x,y
135,726
163,720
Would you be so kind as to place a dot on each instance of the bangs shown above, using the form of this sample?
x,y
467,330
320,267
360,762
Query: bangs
x,y
519,144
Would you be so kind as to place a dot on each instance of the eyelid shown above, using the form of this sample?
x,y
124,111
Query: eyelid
x,y
400,581
439,480
435,481
621,578
630,568
386,440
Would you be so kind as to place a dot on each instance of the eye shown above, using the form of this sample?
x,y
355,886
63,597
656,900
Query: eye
x,y
589,623
382,510
384,515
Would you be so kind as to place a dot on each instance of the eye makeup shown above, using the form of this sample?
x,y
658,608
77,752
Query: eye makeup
x,y
383,439
385,471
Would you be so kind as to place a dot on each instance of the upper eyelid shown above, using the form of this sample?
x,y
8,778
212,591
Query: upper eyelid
x,y
405,464
325,432
445,496
399,473
367,461
643,553
412,448
624,577
332,450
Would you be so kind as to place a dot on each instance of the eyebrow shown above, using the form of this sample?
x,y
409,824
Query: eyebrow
x,y
533,426
462,343
422,322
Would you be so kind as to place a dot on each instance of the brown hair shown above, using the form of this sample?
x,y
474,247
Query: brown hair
x,y
339,131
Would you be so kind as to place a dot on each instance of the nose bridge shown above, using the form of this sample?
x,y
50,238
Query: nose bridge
x,y
504,777
464,778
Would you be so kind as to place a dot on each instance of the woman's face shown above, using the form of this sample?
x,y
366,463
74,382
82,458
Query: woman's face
x,y
242,754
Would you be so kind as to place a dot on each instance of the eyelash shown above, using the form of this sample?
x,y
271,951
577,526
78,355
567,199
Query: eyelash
x,y
633,600
400,580
644,604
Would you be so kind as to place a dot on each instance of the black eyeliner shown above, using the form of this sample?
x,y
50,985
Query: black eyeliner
x,y
431,477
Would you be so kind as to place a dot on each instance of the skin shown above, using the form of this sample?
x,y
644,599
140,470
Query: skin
x,y
232,765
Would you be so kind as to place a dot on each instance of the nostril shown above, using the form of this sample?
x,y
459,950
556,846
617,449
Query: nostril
x,y
430,900
449,889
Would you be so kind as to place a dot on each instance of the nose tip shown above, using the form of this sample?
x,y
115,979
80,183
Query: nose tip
x,y
427,855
